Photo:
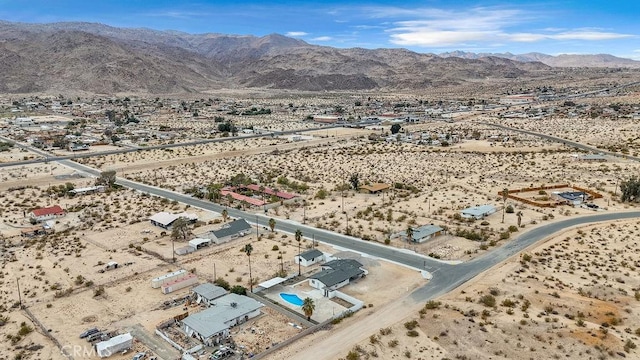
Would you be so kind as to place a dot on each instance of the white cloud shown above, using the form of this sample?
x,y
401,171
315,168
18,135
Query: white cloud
x,y
176,14
296,33
322,38
445,28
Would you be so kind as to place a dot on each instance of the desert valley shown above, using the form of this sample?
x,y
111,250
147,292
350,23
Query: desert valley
x,y
462,208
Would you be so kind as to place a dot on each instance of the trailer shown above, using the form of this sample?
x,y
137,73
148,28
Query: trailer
x,y
190,279
172,276
114,345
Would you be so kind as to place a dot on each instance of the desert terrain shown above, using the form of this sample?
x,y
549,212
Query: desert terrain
x,y
572,296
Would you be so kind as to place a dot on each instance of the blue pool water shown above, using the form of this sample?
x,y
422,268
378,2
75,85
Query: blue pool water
x,y
291,299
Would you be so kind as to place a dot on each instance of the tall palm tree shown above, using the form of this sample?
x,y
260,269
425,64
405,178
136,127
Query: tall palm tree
x,y
298,236
519,215
409,234
308,306
248,249
272,224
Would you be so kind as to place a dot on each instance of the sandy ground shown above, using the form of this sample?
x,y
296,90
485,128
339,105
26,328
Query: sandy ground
x,y
573,296
434,184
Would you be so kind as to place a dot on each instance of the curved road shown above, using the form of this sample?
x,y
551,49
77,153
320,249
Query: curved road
x,y
446,277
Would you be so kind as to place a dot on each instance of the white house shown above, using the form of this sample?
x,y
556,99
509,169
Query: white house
x,y
336,274
309,257
212,325
207,293
478,212
44,214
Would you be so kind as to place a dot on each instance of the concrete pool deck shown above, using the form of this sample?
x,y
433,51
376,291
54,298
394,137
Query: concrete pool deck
x,y
325,308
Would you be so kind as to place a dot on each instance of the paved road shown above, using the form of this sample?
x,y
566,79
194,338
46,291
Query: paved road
x,y
446,277
48,157
574,144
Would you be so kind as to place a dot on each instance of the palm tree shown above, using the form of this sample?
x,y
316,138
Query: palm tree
x,y
248,249
272,224
308,306
225,215
519,215
298,236
409,234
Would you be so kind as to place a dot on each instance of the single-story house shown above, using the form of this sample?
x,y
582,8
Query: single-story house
x,y
87,190
374,188
206,293
336,274
47,213
309,257
422,233
35,231
164,219
571,197
478,212
212,325
233,230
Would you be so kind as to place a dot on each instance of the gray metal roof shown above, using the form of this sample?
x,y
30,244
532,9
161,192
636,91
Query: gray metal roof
x,y
337,271
479,210
209,291
423,231
311,254
232,228
214,319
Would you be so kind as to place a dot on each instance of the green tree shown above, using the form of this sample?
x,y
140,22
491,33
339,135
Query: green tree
x,y
248,249
355,181
308,306
519,215
395,128
272,224
225,215
107,178
298,236
409,234
630,190
180,229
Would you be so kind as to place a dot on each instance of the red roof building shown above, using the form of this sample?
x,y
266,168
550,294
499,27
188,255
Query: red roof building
x,y
47,213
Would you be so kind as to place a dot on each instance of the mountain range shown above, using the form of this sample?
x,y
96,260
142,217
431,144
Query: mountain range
x,y
97,58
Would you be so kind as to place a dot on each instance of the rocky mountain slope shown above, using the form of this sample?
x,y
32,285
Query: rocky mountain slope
x,y
563,60
103,59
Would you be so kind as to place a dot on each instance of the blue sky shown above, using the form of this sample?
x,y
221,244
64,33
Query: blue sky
x,y
552,27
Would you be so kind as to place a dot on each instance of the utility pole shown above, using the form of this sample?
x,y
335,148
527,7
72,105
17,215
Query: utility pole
x,y
214,272
282,263
173,250
19,294
304,211
257,228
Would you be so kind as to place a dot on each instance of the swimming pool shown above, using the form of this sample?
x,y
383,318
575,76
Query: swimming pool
x,y
291,299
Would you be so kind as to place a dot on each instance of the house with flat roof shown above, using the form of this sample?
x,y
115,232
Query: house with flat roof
x,y
207,293
478,212
374,188
213,324
336,274
309,257
165,219
421,234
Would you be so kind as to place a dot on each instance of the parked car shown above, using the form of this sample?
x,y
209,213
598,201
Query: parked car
x,y
95,336
139,356
89,332
221,353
